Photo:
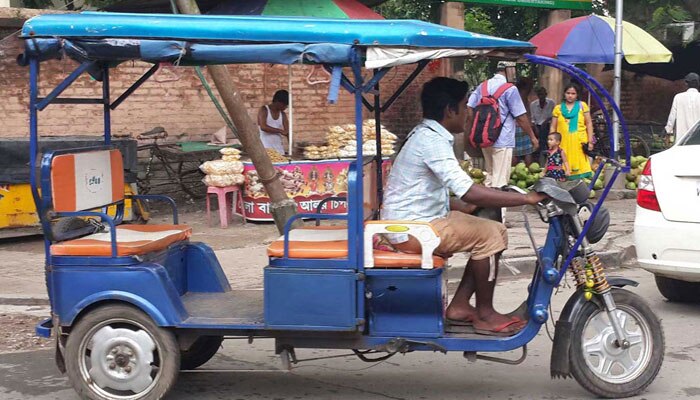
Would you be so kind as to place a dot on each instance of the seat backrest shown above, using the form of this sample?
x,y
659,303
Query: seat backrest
x,y
86,180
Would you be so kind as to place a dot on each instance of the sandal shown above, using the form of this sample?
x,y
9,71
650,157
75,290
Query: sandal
x,y
503,329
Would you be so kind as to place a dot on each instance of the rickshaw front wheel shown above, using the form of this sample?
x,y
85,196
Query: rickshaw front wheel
x,y
117,352
600,364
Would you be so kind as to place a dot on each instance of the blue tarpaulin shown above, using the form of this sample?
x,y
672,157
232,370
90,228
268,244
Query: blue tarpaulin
x,y
205,39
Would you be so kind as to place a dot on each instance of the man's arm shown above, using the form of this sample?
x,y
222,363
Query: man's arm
x,y
486,197
285,124
457,204
524,123
517,109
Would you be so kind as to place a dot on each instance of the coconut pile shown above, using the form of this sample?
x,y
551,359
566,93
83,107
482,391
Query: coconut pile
x,y
341,142
637,165
227,171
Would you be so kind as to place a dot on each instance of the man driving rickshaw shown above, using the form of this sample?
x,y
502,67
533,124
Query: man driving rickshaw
x,y
417,190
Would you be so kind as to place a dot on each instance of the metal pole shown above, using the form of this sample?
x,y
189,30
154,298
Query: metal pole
x,y
618,70
291,112
105,106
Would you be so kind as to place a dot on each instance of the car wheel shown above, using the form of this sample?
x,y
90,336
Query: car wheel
x,y
677,290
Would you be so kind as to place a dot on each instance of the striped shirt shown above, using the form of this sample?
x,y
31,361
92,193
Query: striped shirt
x,y
421,177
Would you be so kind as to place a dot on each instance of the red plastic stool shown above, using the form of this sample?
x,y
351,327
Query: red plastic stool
x,y
224,206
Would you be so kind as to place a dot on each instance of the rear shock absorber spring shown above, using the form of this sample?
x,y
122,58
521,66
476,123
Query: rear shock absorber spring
x,y
578,271
596,274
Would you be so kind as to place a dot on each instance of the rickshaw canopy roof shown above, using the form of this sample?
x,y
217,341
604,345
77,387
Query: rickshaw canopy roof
x,y
207,39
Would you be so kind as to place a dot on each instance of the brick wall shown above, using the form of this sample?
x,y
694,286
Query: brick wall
x,y
176,100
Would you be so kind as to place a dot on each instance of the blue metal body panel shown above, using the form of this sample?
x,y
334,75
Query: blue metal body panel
x,y
204,273
310,299
155,285
147,286
405,302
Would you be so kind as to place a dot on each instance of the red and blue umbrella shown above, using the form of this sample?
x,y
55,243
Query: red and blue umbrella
x,y
342,9
591,39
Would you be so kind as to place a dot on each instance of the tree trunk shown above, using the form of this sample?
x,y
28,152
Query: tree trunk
x,y
281,206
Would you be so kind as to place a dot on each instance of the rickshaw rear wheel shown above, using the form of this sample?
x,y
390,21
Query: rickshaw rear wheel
x,y
117,352
201,351
599,364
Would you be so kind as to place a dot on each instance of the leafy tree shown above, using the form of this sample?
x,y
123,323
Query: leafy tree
x,y
409,9
655,15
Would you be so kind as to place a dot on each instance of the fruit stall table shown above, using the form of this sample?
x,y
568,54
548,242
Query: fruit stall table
x,y
308,182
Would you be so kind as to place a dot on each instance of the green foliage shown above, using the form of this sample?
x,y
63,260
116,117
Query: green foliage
x,y
654,15
519,23
478,21
409,9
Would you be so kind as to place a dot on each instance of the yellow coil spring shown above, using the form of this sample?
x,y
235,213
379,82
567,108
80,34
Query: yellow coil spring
x,y
578,271
596,274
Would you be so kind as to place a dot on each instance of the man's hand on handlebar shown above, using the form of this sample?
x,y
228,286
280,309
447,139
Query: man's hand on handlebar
x,y
533,198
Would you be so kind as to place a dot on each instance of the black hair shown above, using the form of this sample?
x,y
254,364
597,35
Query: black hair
x,y
541,89
556,135
442,92
693,83
573,85
281,96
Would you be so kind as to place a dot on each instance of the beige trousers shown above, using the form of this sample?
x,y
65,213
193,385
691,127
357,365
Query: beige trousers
x,y
497,161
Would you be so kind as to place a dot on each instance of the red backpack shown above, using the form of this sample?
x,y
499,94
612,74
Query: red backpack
x,y
487,124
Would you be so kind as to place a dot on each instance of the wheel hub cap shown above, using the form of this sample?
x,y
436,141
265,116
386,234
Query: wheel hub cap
x,y
606,358
121,359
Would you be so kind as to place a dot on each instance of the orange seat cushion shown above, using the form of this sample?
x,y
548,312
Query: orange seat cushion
x,y
325,242
132,240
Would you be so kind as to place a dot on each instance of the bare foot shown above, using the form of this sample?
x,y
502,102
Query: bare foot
x,y
466,314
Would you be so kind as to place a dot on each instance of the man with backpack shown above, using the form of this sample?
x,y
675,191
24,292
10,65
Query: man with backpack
x,y
494,108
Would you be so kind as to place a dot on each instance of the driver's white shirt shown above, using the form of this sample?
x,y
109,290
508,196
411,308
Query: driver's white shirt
x,y
421,177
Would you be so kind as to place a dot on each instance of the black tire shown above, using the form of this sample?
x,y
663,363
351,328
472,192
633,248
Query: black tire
x,y
70,228
639,146
651,343
201,351
166,356
678,291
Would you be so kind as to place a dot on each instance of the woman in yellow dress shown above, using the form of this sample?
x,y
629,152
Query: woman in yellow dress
x,y
572,119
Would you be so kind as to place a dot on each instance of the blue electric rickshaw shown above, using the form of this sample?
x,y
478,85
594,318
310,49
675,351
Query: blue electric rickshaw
x,y
131,305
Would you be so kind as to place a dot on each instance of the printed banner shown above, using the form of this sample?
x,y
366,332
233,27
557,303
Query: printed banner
x,y
307,182
563,4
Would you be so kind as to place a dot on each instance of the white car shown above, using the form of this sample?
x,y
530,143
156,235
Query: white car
x,y
667,221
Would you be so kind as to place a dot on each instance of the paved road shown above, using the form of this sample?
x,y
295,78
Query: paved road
x,y
254,372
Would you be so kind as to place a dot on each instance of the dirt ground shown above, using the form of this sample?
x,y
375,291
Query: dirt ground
x,y
17,333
